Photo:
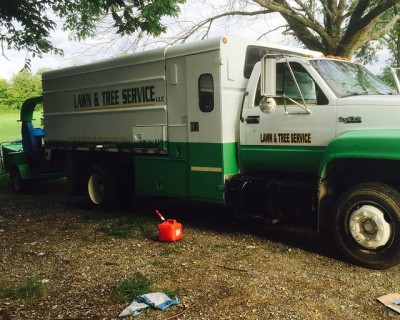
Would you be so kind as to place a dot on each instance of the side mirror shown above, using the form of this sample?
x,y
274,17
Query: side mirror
x,y
267,105
268,77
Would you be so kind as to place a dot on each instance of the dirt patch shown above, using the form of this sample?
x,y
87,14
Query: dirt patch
x,y
221,269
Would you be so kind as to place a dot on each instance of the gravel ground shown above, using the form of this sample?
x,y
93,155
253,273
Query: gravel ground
x,y
221,269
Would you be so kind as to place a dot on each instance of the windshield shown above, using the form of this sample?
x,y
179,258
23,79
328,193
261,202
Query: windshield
x,y
349,79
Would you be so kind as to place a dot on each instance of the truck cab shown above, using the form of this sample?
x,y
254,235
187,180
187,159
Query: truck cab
x,y
323,129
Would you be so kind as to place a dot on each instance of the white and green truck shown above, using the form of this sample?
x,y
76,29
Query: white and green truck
x,y
279,134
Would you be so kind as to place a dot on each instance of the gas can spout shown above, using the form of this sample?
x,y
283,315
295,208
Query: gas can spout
x,y
160,215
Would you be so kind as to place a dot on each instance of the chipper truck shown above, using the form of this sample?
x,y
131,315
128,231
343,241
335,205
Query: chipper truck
x,y
279,134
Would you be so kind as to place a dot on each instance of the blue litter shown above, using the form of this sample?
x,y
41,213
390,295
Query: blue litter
x,y
156,300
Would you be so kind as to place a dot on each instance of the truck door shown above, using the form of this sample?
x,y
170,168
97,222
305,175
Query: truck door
x,y
290,138
204,127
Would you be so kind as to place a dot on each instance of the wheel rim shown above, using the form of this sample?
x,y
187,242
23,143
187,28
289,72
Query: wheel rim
x,y
96,188
369,228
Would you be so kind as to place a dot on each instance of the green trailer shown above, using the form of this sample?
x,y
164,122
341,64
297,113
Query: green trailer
x,y
25,160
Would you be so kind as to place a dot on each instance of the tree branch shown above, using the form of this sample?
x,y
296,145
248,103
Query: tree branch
x,y
300,24
361,23
209,21
307,8
269,31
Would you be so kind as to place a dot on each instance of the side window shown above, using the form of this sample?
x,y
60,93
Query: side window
x,y
286,87
206,92
253,55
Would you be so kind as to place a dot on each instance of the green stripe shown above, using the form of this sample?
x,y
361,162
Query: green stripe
x,y
208,165
161,176
195,170
282,158
230,158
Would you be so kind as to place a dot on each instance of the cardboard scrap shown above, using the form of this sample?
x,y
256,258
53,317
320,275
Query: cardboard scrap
x,y
391,300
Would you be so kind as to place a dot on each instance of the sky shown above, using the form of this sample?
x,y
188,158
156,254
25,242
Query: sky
x,y
90,50
13,61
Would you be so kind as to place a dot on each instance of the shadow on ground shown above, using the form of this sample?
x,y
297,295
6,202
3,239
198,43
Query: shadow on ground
x,y
218,218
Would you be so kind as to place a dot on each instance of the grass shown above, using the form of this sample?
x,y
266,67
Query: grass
x,y
117,231
42,194
138,284
33,290
135,227
10,128
169,251
128,288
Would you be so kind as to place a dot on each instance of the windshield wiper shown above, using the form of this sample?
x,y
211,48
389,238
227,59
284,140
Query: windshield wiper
x,y
386,93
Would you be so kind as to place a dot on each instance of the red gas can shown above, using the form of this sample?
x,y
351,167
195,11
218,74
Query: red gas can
x,y
170,230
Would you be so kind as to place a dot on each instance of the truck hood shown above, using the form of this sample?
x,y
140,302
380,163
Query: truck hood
x,y
370,100
368,112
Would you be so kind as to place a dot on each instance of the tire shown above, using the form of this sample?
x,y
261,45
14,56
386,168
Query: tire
x,y
367,225
19,185
101,188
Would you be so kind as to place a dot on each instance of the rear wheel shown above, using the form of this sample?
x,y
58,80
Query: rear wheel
x,y
101,187
19,185
367,225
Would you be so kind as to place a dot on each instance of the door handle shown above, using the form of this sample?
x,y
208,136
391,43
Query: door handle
x,y
253,119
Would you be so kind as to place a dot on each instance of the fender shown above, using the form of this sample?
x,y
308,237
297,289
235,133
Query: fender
x,y
25,171
374,145
363,144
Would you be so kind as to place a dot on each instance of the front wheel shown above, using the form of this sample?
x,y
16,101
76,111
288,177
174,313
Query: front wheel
x,y
367,225
101,187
